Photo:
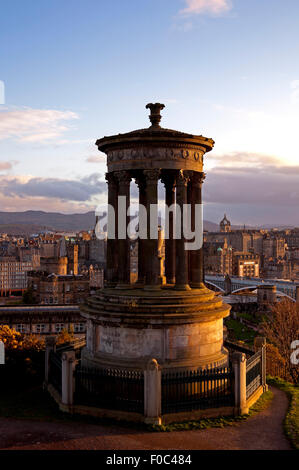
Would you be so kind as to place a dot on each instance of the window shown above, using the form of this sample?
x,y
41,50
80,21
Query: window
x,y
40,328
21,328
59,327
79,328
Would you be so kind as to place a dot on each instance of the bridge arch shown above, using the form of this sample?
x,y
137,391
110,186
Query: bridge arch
x,y
244,288
250,288
214,287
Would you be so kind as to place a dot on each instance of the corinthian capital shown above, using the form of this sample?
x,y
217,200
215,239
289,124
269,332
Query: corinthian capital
x,y
182,178
152,176
168,179
123,177
140,181
198,178
110,178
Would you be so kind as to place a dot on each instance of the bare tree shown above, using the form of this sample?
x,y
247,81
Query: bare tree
x,y
282,328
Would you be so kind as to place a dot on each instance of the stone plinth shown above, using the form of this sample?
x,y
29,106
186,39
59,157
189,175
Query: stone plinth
x,y
182,329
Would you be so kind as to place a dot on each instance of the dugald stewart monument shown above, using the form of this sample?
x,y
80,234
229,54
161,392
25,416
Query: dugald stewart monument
x,y
177,323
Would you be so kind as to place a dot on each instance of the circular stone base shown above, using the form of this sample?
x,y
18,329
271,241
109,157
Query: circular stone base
x,y
180,329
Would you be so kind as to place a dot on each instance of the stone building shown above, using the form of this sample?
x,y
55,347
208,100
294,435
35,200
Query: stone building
x,y
13,275
239,240
72,250
218,258
246,264
96,277
43,319
274,246
58,289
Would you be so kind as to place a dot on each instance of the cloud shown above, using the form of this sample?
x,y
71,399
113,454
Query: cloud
x,y
7,165
245,160
34,125
100,158
265,183
208,7
81,190
18,204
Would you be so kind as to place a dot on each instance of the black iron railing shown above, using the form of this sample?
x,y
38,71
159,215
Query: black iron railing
x,y
110,388
253,373
232,347
55,371
195,390
75,345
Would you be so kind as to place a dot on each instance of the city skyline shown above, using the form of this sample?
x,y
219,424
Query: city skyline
x,y
220,67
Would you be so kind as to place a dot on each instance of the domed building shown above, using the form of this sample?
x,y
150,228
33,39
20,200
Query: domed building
x,y
225,225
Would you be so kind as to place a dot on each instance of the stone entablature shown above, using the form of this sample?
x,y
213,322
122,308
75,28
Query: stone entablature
x,y
167,157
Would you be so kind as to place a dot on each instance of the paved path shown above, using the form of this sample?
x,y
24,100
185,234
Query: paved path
x,y
263,431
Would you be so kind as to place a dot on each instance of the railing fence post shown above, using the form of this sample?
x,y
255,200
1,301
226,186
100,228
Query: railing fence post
x,y
239,365
67,371
152,392
50,346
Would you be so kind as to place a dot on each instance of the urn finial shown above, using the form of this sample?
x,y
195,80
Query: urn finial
x,y
155,116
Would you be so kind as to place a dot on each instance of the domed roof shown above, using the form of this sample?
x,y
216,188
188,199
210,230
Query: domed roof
x,y
153,134
225,221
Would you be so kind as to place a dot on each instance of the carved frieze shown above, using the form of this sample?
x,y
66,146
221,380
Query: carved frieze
x,y
153,153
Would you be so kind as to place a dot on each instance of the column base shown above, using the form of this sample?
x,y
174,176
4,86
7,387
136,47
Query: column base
x,y
152,287
139,285
197,285
157,420
110,284
241,411
182,287
124,286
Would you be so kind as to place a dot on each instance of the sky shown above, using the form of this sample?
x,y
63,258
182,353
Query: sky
x,y
73,71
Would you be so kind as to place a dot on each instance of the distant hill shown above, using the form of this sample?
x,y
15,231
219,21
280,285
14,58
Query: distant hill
x,y
29,222
210,226
36,221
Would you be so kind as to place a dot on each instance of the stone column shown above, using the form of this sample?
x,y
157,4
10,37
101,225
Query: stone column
x,y
123,242
112,246
239,365
152,275
152,393
68,380
141,183
196,256
297,294
168,180
50,346
181,256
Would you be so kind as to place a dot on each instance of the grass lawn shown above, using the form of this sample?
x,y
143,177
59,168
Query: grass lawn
x,y
241,332
249,317
291,422
220,422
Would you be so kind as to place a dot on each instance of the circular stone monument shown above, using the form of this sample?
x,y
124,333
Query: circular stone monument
x,y
180,323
